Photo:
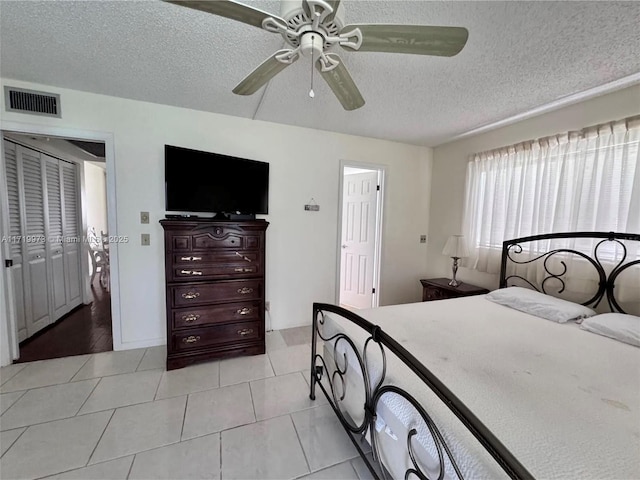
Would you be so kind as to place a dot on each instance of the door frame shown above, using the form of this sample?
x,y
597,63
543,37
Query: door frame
x,y
7,316
377,260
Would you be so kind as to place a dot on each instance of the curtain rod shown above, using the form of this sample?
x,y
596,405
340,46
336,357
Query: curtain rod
x,y
628,121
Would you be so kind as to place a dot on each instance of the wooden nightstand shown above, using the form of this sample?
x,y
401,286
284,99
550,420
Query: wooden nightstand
x,y
439,289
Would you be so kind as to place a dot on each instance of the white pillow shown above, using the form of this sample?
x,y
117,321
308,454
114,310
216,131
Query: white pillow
x,y
619,326
539,304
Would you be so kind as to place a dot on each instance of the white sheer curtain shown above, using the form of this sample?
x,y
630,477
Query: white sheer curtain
x,y
577,181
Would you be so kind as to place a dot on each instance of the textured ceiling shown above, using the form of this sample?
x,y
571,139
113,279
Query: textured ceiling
x,y
520,55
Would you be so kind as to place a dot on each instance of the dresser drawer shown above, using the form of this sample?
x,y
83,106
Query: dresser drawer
x,y
196,338
226,312
241,257
223,291
216,266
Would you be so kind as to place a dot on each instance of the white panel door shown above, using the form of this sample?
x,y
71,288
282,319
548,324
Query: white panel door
x,y
36,290
359,214
14,239
57,278
71,232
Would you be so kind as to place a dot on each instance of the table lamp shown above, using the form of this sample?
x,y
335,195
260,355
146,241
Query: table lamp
x,y
455,248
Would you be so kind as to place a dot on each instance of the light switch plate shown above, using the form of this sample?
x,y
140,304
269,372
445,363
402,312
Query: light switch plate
x,y
144,217
145,239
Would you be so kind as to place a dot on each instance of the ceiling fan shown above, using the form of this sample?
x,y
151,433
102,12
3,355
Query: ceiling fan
x,y
312,27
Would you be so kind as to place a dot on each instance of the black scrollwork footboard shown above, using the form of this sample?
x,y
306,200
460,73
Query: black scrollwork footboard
x,y
376,386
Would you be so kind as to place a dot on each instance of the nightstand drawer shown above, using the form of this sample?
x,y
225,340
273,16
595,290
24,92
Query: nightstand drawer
x,y
439,289
431,293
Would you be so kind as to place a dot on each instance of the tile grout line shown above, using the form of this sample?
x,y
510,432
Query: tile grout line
x,y
253,405
100,439
133,461
88,396
220,469
13,443
24,365
144,354
184,417
300,443
271,364
14,402
81,367
155,395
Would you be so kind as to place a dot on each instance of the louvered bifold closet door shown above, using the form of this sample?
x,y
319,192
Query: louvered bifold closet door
x,y
71,232
58,295
36,290
14,245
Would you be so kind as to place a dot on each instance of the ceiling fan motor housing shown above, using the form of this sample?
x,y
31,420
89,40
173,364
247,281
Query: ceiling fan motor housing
x,y
300,21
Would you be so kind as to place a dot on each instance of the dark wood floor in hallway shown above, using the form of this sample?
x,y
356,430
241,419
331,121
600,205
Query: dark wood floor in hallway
x,y
85,330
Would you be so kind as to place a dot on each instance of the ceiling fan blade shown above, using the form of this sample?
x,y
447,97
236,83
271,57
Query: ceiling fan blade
x,y
338,78
265,72
229,9
415,39
332,3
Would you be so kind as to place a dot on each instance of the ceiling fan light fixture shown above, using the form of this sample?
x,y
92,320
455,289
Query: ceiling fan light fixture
x,y
311,44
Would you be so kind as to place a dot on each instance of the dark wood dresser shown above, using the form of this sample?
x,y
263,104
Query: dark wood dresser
x,y
439,289
215,289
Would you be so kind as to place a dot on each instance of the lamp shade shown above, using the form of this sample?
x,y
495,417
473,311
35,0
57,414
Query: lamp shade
x,y
456,247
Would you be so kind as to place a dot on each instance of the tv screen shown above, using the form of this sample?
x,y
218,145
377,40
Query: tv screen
x,y
198,181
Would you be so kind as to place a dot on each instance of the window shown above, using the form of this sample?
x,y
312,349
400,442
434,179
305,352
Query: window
x,y
578,181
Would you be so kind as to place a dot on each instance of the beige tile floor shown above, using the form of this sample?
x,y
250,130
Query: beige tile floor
x,y
119,415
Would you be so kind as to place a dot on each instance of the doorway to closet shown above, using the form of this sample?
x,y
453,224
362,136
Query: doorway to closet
x,y
56,194
359,248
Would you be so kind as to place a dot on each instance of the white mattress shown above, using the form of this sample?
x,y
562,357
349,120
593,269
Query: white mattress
x,y
564,401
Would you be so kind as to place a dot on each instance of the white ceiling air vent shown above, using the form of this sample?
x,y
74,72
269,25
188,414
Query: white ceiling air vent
x,y
32,102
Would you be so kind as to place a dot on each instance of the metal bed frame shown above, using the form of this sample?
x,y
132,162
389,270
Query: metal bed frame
x,y
335,375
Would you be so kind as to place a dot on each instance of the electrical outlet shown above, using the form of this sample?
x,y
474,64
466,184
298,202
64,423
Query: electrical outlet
x,y
144,217
145,239
423,239
267,305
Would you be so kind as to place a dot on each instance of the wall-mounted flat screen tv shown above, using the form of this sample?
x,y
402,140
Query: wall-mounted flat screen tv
x,y
198,181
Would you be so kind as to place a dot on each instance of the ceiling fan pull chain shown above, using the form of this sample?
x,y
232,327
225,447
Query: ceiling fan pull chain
x,y
311,92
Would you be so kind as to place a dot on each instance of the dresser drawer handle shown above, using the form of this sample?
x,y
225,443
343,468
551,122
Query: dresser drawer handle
x,y
190,259
244,270
244,311
190,318
191,339
190,295
247,259
245,290
190,272
245,331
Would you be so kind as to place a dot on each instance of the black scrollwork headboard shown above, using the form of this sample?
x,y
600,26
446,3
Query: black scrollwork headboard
x,y
607,269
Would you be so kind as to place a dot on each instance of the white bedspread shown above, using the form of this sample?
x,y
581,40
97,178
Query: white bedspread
x,y
564,401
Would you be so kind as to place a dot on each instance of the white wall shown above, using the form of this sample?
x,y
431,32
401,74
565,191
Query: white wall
x,y
450,164
304,163
95,197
